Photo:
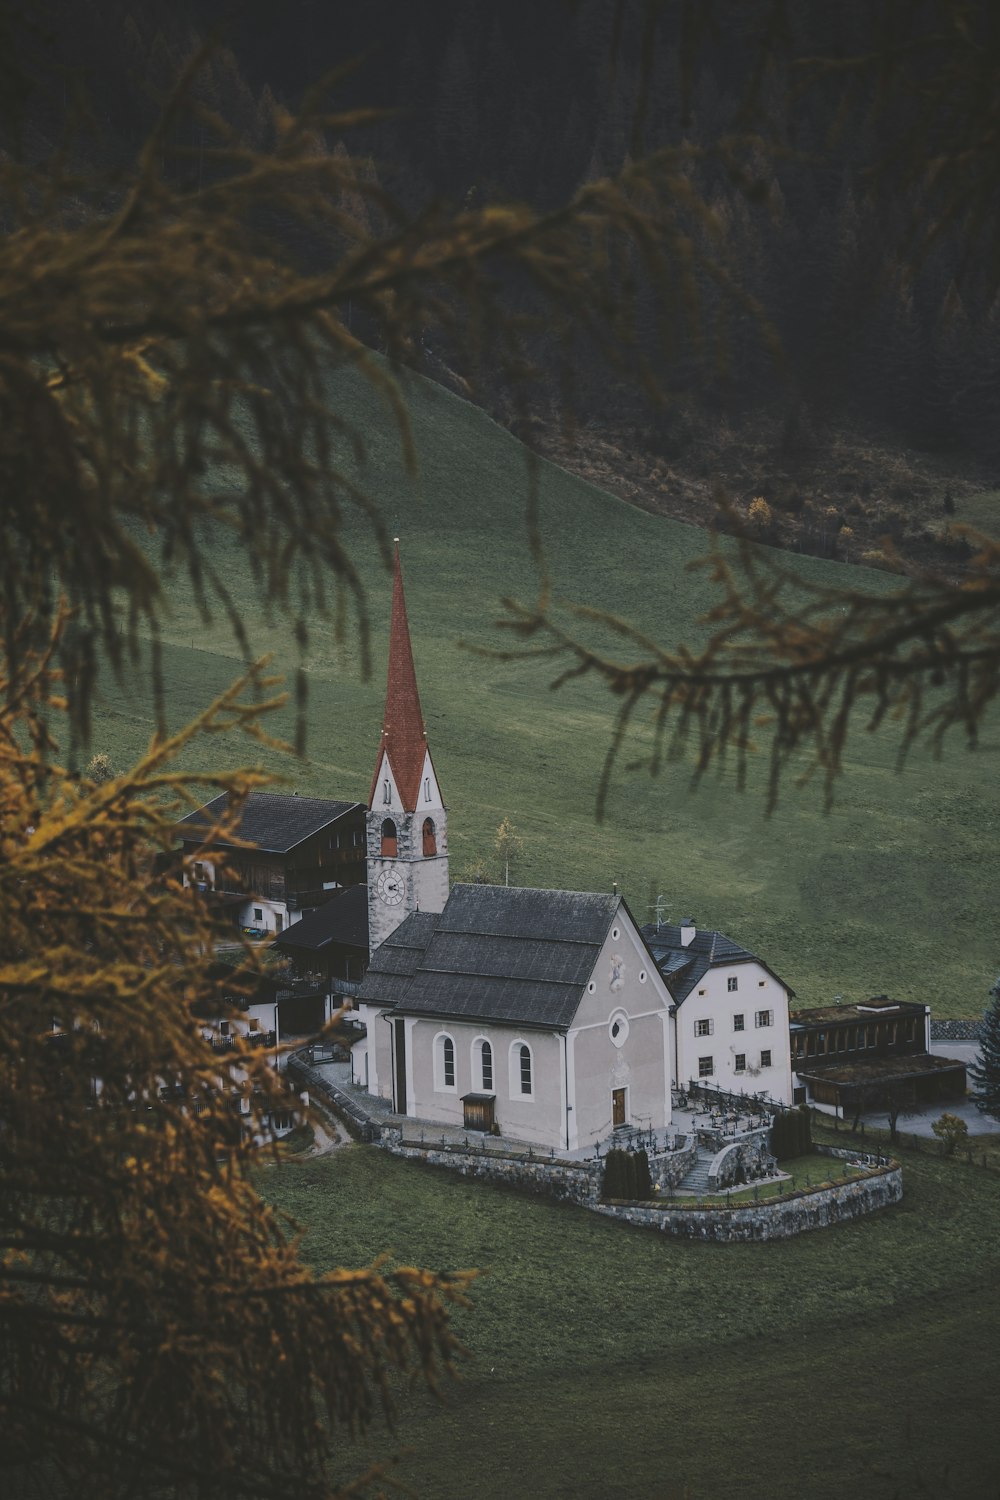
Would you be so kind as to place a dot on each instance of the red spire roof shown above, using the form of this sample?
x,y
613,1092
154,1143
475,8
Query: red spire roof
x,y
403,737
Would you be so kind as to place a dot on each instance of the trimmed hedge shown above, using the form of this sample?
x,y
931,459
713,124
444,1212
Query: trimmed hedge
x,y
791,1133
626,1176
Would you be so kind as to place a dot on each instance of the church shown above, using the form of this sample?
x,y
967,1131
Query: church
x,y
548,1016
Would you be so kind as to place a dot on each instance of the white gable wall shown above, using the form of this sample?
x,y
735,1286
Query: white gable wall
x,y
386,799
626,991
714,1004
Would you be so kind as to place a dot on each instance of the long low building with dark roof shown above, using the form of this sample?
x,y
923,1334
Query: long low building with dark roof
x,y
540,1012
855,1059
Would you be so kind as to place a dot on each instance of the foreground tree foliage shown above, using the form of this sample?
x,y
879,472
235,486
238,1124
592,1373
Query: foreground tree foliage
x,y
158,1329
167,337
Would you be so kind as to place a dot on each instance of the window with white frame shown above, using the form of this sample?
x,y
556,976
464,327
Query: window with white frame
x,y
618,1028
764,1018
706,1067
738,1022
485,1066
732,983
740,1065
704,1028
386,792
521,1071
765,1059
444,1062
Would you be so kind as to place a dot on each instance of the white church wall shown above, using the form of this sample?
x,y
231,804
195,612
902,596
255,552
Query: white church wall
x,y
620,1041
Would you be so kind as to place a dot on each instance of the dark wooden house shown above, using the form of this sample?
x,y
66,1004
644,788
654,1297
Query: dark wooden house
x,y
852,1058
285,857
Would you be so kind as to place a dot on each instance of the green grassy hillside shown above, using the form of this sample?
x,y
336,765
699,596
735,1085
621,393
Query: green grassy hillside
x,y
610,1362
892,891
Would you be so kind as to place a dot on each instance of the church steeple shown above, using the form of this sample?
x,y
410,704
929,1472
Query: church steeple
x,y
407,822
404,739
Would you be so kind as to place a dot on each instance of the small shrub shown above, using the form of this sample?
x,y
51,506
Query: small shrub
x,y
952,1132
643,1180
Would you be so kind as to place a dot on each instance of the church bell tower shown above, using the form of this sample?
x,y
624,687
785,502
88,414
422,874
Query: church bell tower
x,y
407,821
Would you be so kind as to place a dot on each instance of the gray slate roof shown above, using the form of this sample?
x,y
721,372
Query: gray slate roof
x,y
395,961
342,920
684,968
272,821
506,955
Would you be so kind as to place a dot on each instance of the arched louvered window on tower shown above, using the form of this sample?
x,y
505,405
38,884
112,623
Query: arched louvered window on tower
x,y
430,838
389,838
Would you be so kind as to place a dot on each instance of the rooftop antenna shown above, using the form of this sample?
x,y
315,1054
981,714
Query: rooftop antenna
x,y
659,908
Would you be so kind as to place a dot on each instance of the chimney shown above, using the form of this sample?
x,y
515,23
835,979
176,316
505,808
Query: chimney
x,y
688,930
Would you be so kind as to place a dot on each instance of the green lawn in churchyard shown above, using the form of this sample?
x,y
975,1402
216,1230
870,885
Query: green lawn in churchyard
x,y
611,1361
890,892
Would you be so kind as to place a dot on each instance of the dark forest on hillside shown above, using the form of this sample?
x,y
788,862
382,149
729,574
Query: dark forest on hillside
x,y
494,100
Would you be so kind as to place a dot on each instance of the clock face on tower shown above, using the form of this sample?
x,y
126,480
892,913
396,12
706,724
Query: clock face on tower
x,y
389,886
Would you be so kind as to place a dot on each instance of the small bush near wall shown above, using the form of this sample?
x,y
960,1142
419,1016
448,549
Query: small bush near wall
x,y
615,1183
643,1181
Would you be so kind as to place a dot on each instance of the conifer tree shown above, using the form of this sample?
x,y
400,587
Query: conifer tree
x,y
984,1073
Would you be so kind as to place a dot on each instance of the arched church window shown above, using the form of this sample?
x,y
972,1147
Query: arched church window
x,y
444,1061
430,838
389,838
521,1071
486,1066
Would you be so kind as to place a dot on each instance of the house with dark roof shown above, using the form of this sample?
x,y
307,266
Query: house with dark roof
x,y
277,858
729,1012
539,1012
331,942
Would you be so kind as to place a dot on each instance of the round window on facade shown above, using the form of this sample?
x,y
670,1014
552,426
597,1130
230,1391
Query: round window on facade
x,y
615,934
618,1028
642,976
591,987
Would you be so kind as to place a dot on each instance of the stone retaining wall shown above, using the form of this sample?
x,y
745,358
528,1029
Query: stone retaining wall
x,y
750,1154
817,1208
668,1169
356,1119
580,1181
566,1181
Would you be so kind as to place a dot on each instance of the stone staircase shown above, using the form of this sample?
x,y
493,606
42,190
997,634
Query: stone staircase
x,y
696,1180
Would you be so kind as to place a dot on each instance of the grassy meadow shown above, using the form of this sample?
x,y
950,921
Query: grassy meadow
x,y
892,891
607,1363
